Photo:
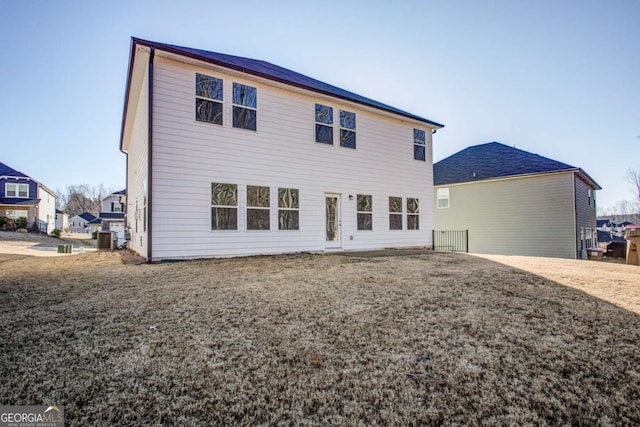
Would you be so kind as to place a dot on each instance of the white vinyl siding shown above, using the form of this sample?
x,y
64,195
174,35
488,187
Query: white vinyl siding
x,y
189,155
532,216
137,179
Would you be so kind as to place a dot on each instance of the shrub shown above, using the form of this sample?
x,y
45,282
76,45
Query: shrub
x,y
55,232
21,222
3,221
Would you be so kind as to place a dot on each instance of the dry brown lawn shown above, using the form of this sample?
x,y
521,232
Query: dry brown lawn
x,y
322,340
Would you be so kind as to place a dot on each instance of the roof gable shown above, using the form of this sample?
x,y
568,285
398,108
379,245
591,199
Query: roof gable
x,y
279,74
9,171
492,160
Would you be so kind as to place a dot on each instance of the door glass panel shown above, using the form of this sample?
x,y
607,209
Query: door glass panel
x,y
332,218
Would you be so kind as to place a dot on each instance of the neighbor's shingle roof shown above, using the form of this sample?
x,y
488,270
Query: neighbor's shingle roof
x,y
9,171
111,215
18,201
274,72
496,160
605,236
87,216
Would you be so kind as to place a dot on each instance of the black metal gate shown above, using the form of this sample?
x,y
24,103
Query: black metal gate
x,y
450,240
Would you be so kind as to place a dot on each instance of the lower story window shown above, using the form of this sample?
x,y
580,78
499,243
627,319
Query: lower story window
x,y
258,208
288,209
224,206
364,212
413,214
395,213
17,213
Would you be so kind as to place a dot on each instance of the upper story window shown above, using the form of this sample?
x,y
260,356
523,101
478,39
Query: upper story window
x,y
442,196
324,124
347,129
117,207
395,213
224,206
208,99
258,212
17,190
365,212
419,144
245,106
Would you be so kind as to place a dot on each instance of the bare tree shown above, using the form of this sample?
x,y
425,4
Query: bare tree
x,y
633,177
83,198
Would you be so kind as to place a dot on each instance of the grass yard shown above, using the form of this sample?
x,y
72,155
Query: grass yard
x,y
322,340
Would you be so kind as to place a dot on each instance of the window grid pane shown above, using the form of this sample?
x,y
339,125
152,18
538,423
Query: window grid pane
x,y
347,129
208,111
364,209
224,202
324,122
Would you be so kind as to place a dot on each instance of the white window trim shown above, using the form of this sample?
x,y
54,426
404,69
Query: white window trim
x,y
354,130
12,213
233,104
364,212
332,125
442,194
278,209
249,207
413,213
219,101
17,190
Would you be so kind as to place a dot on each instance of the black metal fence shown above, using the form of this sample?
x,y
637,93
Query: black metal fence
x,y
450,240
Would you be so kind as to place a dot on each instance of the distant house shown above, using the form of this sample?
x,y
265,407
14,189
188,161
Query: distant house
x,y
614,245
80,223
62,221
23,197
232,156
516,203
113,213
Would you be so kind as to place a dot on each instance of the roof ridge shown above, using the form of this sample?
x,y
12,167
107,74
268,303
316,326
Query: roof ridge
x,y
283,75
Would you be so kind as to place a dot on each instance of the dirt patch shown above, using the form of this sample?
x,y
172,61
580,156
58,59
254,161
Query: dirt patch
x,y
617,283
315,340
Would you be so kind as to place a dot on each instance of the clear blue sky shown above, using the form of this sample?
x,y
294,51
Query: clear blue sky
x,y
557,78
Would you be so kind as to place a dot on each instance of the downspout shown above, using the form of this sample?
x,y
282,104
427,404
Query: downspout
x,y
150,159
575,217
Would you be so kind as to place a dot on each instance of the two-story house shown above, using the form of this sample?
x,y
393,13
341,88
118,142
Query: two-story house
x,y
112,214
231,156
513,202
23,197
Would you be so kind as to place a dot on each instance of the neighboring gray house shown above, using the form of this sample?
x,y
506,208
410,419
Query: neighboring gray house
x,y
515,203
80,223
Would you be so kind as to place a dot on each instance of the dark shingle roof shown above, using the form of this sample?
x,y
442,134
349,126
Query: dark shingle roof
x,y
87,216
121,192
605,236
111,215
18,202
274,72
495,160
9,171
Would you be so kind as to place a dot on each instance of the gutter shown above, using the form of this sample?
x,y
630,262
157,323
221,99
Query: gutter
x,y
150,158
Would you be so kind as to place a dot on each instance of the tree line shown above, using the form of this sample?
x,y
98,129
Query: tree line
x,y
627,210
77,199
